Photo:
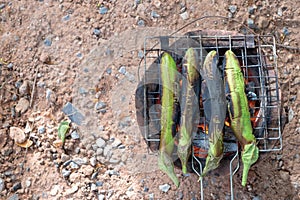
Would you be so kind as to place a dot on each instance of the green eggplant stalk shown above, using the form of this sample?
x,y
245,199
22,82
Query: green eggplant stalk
x,y
239,113
215,85
189,103
170,87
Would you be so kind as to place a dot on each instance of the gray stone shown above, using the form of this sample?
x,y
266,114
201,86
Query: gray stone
x,y
251,10
41,129
101,197
112,172
93,187
100,105
2,185
65,173
13,197
94,175
151,196
154,14
73,114
232,8
64,157
122,70
93,161
256,198
80,161
100,142
99,183
16,186
27,183
250,23
75,135
2,5
74,165
103,10
291,115
165,188
54,190
99,151
141,22
279,12
184,15
107,151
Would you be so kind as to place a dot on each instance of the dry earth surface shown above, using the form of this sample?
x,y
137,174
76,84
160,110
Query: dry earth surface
x,y
53,53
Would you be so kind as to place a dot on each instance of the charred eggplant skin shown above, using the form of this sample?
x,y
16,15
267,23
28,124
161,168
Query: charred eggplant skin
x,y
215,85
239,113
170,97
189,104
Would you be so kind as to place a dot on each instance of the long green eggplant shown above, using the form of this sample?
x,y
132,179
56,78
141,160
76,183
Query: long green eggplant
x,y
170,97
239,113
189,105
217,113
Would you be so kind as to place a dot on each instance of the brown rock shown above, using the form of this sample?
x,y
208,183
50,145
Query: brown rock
x,y
17,134
3,138
22,106
24,88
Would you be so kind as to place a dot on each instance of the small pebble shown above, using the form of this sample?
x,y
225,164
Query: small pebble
x,y
93,161
93,187
285,31
80,161
2,185
66,18
27,183
65,173
250,23
74,165
75,135
54,190
232,8
99,183
96,31
22,105
251,10
73,113
82,91
279,12
16,186
122,70
184,15
141,22
154,14
291,115
151,196
94,175
14,197
103,10
79,55
165,188
109,71
48,42
101,197
10,66
2,5
146,189
100,142
41,129
256,198
100,105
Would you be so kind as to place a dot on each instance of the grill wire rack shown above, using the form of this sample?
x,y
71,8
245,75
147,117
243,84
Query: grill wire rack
x,y
259,67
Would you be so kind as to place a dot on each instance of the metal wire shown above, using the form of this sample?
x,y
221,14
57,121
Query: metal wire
x,y
256,56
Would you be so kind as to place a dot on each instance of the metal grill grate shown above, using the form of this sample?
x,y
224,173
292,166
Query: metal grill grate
x,y
258,63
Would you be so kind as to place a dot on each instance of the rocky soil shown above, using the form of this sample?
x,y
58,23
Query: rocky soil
x,y
77,61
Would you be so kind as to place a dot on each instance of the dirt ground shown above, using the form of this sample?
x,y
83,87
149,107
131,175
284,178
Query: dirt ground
x,y
87,53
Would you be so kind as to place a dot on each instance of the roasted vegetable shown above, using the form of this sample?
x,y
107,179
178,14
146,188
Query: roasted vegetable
x,y
239,113
189,105
170,93
217,112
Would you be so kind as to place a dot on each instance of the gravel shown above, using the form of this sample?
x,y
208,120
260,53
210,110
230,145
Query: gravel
x,y
100,142
165,188
73,114
2,184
